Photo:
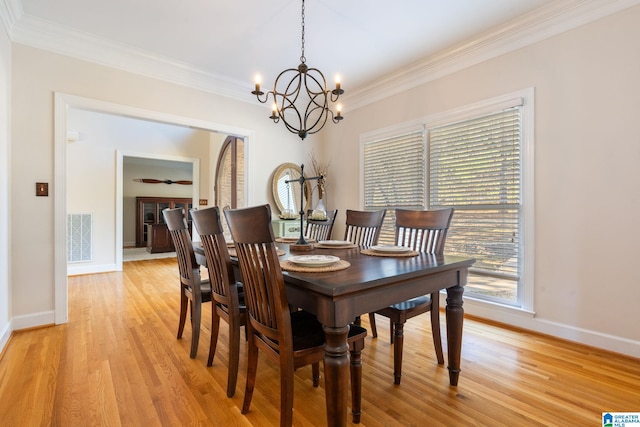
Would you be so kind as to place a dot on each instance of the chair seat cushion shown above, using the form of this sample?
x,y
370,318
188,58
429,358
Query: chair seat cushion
x,y
205,290
356,332
412,303
240,289
307,331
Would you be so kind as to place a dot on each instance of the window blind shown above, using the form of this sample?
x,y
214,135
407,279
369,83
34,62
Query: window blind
x,y
394,176
475,167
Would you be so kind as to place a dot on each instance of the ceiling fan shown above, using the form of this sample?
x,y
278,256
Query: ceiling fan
x,y
160,181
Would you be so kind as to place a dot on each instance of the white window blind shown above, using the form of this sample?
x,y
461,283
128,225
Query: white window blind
x,y
475,167
394,176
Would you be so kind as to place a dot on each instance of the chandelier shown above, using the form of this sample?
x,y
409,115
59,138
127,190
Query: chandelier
x,y
301,98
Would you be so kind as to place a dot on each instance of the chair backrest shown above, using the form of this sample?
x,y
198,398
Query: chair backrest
x,y
320,229
209,227
363,227
423,231
264,291
187,264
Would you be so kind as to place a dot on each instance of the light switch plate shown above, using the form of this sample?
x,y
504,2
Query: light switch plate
x,y
42,188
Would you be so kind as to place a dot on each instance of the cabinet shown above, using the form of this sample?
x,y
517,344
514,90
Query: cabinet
x,y
151,231
159,239
286,227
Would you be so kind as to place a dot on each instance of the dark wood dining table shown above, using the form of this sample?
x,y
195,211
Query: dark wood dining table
x,y
368,284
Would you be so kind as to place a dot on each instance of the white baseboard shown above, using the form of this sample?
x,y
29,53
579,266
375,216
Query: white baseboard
x,y
33,320
76,270
524,320
4,336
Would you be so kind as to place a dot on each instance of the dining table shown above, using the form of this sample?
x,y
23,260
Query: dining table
x,y
369,282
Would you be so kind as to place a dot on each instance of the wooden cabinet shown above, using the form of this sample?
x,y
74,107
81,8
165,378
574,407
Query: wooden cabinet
x,y
159,239
151,231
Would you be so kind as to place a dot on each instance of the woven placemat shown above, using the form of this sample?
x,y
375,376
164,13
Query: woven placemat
x,y
338,265
389,254
345,246
291,240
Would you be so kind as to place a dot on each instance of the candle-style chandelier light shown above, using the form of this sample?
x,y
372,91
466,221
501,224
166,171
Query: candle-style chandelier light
x,y
301,98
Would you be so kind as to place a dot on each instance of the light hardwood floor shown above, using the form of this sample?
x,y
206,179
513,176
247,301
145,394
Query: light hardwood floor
x,y
118,362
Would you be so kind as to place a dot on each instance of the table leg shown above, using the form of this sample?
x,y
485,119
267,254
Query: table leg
x,y
455,316
336,374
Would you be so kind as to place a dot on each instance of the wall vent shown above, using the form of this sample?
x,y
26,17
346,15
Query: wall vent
x,y
79,233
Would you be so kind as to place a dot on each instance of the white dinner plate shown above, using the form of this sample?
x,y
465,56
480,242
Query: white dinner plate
x,y
389,249
334,242
314,260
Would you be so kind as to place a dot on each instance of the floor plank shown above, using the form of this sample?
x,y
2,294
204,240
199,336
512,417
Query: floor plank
x,y
118,362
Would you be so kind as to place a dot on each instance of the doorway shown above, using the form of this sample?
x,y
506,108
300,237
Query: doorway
x,y
63,103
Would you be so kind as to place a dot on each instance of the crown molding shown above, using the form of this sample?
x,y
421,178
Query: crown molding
x,y
42,34
11,12
548,21
545,22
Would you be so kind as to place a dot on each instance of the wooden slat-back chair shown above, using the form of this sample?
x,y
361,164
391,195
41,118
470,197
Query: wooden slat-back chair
x,y
422,231
290,339
227,293
363,227
320,229
193,290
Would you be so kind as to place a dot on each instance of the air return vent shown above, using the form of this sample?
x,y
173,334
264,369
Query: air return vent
x,y
79,227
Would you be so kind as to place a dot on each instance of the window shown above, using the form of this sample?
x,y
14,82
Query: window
x,y
474,167
394,175
229,184
478,161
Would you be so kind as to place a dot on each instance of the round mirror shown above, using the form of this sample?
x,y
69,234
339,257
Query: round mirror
x,y
287,195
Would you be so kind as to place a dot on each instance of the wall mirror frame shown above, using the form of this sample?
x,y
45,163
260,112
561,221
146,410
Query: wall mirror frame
x,y
287,199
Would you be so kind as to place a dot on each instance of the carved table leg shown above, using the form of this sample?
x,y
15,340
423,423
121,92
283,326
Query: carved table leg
x,y
398,343
455,316
336,373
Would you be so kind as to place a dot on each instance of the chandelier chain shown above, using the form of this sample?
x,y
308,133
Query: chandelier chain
x,y
302,57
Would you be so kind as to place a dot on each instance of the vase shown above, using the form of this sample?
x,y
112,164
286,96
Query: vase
x,y
319,212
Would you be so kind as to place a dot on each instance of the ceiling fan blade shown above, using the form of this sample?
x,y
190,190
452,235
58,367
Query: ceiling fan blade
x,y
160,181
149,181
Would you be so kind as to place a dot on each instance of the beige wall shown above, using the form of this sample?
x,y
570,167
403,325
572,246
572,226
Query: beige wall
x,y
5,173
37,75
587,178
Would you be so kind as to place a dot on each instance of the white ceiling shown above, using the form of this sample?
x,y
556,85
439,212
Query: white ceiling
x,y
229,42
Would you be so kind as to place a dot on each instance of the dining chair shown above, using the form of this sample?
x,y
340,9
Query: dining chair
x,y
292,339
426,232
363,227
228,298
320,229
193,290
